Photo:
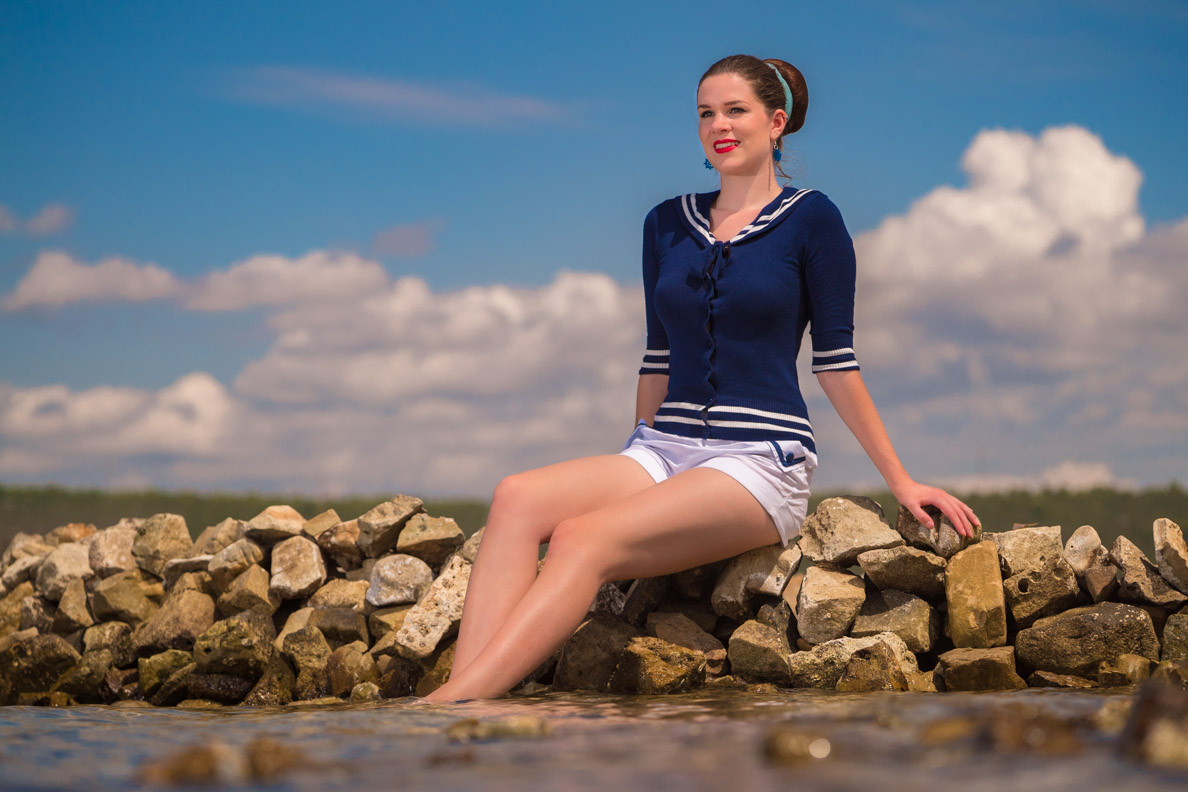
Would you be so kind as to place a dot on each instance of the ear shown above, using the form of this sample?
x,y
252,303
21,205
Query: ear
x,y
778,120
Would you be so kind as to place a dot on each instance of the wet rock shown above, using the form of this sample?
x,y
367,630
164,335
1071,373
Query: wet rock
x,y
274,524
341,542
1125,669
1084,550
124,597
232,561
1157,730
908,616
33,665
315,526
874,668
179,622
1101,582
380,527
218,537
84,682
431,539
309,653
829,601
123,686
111,551
294,622
1077,641
340,626
1175,636
1051,680
10,607
73,613
437,615
1171,553
589,657
297,568
679,629
221,688
116,637
1042,591
1026,549
907,569
58,698
235,648
763,571
160,539
398,677
975,599
642,598
24,568
980,669
275,686
653,666
348,667
822,666
399,580
840,529
249,591
1141,581
511,726
155,669
65,563
757,652
365,692
341,593
940,538
71,532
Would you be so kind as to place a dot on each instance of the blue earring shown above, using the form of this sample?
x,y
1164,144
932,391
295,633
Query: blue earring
x,y
707,164
776,155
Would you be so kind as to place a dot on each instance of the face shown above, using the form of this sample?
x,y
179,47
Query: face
x,y
736,130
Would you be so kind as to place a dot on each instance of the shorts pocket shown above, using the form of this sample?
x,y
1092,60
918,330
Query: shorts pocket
x,y
790,460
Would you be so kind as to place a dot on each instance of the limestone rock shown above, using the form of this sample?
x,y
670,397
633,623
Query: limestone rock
x,y
980,669
1171,553
111,551
1067,681
37,613
1026,549
906,615
341,593
652,666
33,664
1141,580
469,548
399,580
1045,591
763,571
1175,636
71,532
842,528
365,692
430,539
642,598
116,637
176,625
1084,550
1125,669
234,647
823,665
73,613
10,607
435,670
296,620
232,561
437,615
309,652
66,562
178,567
589,658
1078,641
1101,582
249,591
155,669
347,667
975,599
297,568
829,600
340,626
380,527
314,526
874,668
22,569
907,569
386,620
274,524
341,542
275,686
940,538
698,582
609,599
218,537
123,597
758,653
84,682
159,539
23,545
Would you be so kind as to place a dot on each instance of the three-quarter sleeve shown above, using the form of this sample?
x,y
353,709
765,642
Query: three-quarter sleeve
x,y
830,269
655,359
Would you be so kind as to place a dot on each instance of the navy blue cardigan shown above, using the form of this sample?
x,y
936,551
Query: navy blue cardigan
x,y
725,318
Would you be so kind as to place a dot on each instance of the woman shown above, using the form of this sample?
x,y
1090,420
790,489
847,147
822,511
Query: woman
x,y
722,453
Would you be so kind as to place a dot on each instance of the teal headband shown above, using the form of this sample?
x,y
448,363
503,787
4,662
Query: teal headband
x,y
787,90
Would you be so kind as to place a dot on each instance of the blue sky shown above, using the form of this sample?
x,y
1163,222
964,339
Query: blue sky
x,y
497,145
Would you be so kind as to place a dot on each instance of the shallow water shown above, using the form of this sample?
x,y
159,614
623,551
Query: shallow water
x,y
704,740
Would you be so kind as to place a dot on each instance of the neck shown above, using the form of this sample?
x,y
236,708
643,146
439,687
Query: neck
x,y
747,189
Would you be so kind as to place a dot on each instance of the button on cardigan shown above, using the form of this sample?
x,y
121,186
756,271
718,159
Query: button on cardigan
x,y
725,318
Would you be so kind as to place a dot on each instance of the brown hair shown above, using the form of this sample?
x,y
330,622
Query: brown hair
x,y
767,88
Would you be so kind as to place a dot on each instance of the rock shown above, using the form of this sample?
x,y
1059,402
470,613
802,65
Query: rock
x,y
341,593
123,597
469,548
1171,553
179,567
642,598
1077,641
33,664
437,615
84,682
161,538
275,686
221,688
940,538
1125,669
365,692
431,539
295,621
232,561
975,599
653,666
906,569
1175,636
589,658
1040,592
297,568
24,545
679,629
341,542
249,591
24,568
842,528
436,670
823,665
124,686
348,667
315,526
758,652
510,726
363,572
608,599
115,637
908,616
398,677
1157,730
37,613
380,527
386,620
111,551
73,613
179,622
1026,549
980,669
829,600
399,580
1068,681
1141,580
65,563
235,648
763,571
874,668
218,537
155,669
274,524
778,615
71,532
1101,582
10,607
309,652
1083,550
340,626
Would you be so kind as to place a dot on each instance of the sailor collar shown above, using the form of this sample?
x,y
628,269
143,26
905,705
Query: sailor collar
x,y
695,209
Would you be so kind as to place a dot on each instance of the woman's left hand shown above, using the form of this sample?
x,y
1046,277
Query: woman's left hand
x,y
915,496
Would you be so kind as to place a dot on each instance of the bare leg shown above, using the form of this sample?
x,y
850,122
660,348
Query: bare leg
x,y
693,518
524,511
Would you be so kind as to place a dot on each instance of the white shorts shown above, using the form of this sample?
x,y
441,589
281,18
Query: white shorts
x,y
776,472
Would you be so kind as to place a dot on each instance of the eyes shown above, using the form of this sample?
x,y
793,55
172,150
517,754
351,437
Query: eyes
x,y
708,113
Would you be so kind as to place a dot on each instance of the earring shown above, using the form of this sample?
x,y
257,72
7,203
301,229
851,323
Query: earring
x,y
776,154
707,164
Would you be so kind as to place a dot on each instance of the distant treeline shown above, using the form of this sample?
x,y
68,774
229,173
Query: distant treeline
x,y
40,508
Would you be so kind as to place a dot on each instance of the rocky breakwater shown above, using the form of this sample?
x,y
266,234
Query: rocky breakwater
x,y
282,609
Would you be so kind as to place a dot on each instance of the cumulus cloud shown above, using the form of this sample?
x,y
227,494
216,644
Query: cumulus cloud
x,y
277,280
410,239
57,279
51,219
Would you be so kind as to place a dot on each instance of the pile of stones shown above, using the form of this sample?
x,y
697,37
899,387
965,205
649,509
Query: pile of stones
x,y
280,609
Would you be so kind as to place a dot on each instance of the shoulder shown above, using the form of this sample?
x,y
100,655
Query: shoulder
x,y
821,214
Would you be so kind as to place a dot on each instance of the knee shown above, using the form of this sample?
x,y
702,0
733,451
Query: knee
x,y
576,542
514,507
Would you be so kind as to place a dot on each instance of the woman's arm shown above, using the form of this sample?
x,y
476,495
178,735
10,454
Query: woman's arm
x,y
849,397
649,394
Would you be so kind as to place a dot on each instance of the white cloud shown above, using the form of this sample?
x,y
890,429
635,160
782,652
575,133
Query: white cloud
x,y
276,280
408,240
1071,475
8,221
52,219
57,279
